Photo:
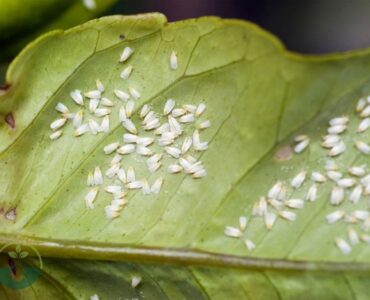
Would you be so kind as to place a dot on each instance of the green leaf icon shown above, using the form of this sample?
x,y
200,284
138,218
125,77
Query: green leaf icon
x,y
23,254
13,254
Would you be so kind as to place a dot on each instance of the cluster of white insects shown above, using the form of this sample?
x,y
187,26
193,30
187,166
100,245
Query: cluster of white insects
x,y
351,182
270,207
164,129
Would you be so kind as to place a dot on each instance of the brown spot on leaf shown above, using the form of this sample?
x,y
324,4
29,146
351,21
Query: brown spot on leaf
x,y
284,153
122,36
9,119
4,88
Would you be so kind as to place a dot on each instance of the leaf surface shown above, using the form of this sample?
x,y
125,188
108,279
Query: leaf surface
x,y
258,97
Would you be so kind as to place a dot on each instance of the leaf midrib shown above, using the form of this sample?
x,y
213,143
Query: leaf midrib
x,y
115,252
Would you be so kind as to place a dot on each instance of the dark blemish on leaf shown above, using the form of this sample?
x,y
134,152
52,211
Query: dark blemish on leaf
x,y
284,153
11,214
4,88
122,36
9,119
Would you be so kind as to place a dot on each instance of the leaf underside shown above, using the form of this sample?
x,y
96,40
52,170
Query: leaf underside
x,y
258,97
112,280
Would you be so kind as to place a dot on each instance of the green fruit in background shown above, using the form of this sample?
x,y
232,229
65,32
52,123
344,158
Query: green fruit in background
x,y
21,21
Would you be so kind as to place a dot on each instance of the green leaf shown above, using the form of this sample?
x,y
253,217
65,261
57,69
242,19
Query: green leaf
x,y
112,280
13,254
22,21
258,97
23,254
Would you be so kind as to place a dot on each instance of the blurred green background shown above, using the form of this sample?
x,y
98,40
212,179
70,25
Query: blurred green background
x,y
305,26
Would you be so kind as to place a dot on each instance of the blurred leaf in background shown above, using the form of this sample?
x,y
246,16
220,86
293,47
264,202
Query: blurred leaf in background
x,y
22,21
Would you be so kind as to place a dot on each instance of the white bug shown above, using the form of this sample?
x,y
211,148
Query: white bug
x,y
126,53
173,60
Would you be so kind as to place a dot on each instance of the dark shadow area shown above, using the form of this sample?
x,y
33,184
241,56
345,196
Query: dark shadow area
x,y
306,26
